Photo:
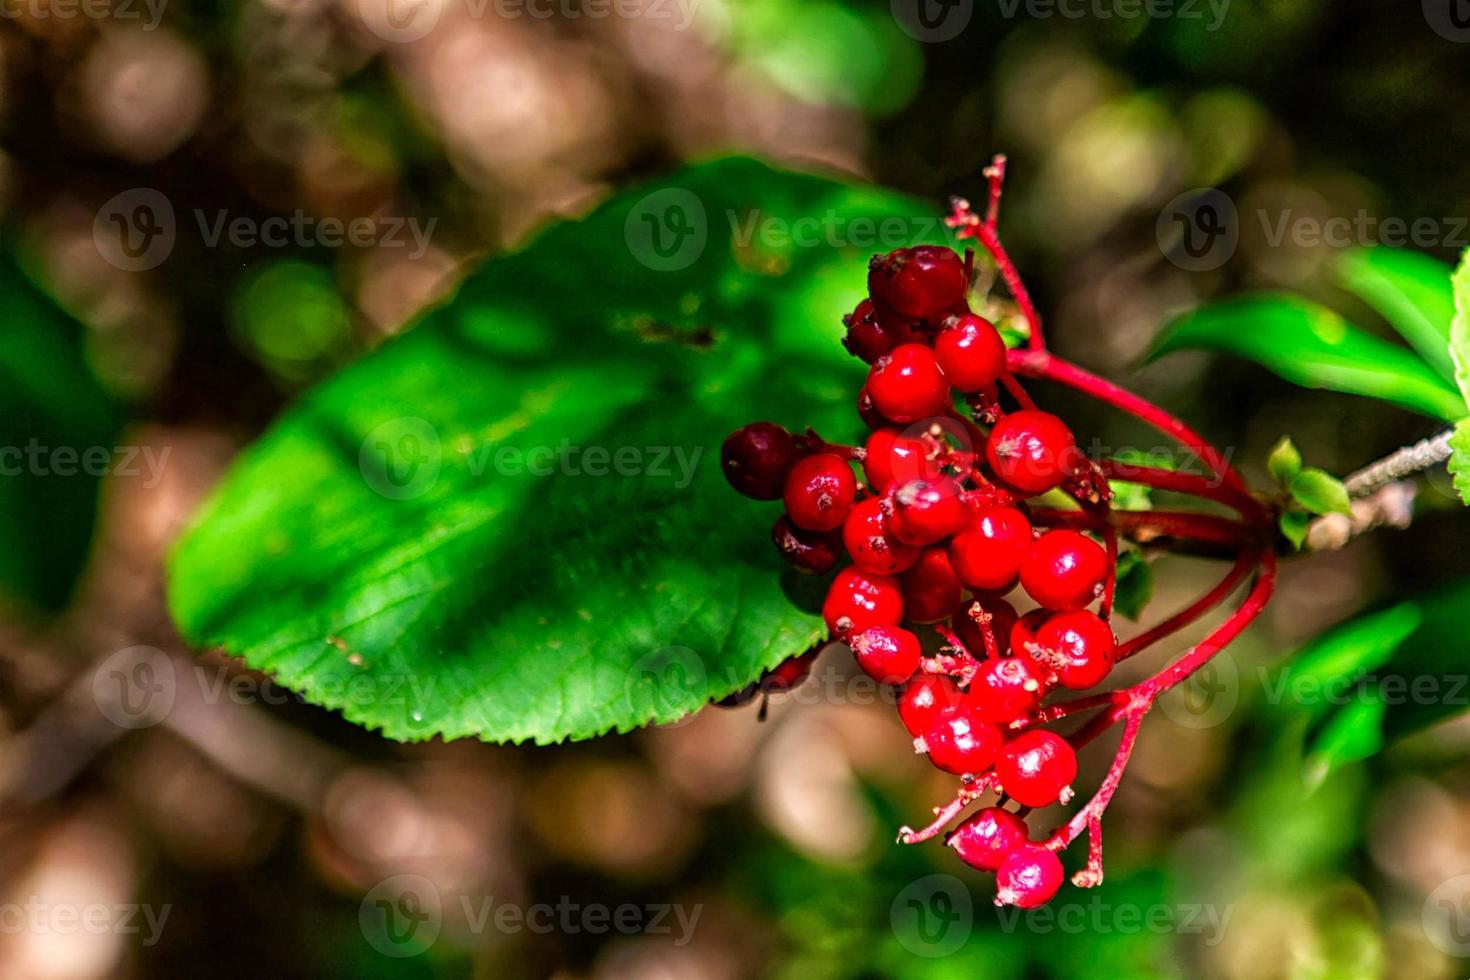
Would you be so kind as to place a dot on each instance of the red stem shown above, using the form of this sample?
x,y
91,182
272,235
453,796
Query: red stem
x,y
1190,613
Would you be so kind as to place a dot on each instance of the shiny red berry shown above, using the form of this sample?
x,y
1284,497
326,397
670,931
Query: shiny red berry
x,y
886,454
990,553
868,337
931,591
858,599
1078,647
907,385
924,699
924,283
868,536
756,459
985,840
887,654
1031,451
1036,768
1007,689
970,353
1023,633
959,742
1028,878
809,551
1002,621
819,492
1065,570
926,511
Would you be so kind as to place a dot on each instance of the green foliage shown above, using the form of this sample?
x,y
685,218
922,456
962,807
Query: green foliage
x,y
1319,492
1294,525
1285,461
1460,355
53,416
425,543
1310,345
1460,459
1135,584
1410,291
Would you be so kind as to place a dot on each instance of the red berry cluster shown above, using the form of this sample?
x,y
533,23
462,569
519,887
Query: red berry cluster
x,y
937,531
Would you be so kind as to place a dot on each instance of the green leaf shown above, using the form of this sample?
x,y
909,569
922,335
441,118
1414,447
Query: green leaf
x,y
510,522
1460,326
1409,290
1320,492
1460,459
1135,584
1285,461
58,431
1294,526
1310,345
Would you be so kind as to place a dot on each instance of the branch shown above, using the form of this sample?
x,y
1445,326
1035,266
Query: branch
x,y
1391,505
1397,465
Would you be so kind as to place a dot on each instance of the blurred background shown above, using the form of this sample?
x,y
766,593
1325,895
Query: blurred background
x,y
250,835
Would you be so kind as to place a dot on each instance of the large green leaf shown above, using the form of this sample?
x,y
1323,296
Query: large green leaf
x,y
385,549
1409,290
1311,345
57,435
1460,326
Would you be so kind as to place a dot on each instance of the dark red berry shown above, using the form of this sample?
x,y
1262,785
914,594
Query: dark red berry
x,y
867,336
1078,647
1029,877
757,458
810,551
858,599
887,654
1002,620
924,699
1007,689
931,591
1023,634
924,283
970,353
1036,768
990,553
985,840
789,673
819,492
959,742
1031,451
926,511
1065,570
907,385
868,536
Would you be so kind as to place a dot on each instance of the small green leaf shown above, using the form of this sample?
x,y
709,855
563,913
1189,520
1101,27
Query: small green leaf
x,y
1294,525
1135,584
1320,492
1460,326
1411,291
1310,345
1460,459
1285,461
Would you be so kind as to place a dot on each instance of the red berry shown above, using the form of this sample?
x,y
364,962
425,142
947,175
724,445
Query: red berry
x,y
756,459
868,536
1023,633
1006,690
907,385
1036,768
926,511
1032,451
1002,620
959,742
789,673
868,337
931,591
809,551
970,353
878,456
819,492
924,699
924,283
858,599
887,654
1028,877
985,840
871,417
1078,647
1066,570
990,553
